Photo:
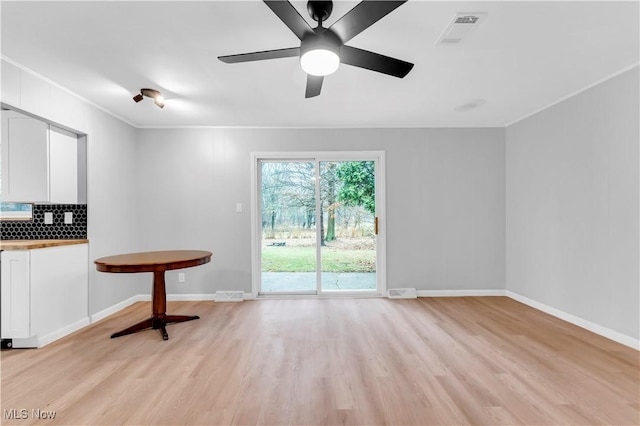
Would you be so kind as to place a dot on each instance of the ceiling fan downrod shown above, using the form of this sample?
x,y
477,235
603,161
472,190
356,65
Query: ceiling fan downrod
x,y
319,10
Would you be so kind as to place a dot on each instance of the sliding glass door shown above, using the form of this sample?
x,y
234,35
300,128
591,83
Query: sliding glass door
x,y
347,230
317,224
288,227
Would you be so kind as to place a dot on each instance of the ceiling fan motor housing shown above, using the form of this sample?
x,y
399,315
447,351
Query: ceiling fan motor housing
x,y
321,38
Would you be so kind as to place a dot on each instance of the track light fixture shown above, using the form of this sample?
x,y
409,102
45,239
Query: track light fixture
x,y
150,93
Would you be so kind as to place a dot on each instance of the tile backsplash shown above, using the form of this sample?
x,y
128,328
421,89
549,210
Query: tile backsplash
x,y
37,229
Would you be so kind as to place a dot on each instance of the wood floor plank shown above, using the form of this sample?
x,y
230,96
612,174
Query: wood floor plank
x,y
484,360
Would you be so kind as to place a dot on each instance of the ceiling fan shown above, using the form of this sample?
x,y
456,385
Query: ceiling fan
x,y
323,49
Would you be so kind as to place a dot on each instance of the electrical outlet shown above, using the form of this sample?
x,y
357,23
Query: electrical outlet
x,y
181,277
68,218
48,218
238,207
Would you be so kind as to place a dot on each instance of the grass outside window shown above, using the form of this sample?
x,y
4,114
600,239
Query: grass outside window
x,y
303,259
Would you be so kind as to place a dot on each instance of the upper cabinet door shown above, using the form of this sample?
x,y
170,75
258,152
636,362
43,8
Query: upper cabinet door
x,y
24,158
63,166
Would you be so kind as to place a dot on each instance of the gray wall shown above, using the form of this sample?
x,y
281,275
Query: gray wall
x,y
445,200
112,208
572,205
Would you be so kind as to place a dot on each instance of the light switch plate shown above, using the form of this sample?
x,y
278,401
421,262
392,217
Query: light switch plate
x,y
238,207
68,217
48,218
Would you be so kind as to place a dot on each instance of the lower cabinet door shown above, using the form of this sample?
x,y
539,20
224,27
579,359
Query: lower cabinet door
x,y
59,288
15,294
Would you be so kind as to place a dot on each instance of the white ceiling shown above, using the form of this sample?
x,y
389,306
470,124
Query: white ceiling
x,y
524,57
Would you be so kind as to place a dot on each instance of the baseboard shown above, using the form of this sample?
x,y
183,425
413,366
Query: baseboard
x,y
580,322
147,298
199,297
27,342
189,297
40,341
51,337
461,293
119,306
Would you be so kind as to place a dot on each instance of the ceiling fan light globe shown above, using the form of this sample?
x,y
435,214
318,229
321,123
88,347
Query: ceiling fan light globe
x,y
319,62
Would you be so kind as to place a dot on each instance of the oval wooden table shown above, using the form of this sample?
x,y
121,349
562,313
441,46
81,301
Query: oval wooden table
x,y
157,262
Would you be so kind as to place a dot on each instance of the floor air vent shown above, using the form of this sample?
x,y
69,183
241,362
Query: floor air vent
x,y
229,296
402,293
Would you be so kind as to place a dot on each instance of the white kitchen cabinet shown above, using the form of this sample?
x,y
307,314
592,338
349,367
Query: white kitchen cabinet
x,y
14,296
24,158
63,166
40,162
31,93
44,293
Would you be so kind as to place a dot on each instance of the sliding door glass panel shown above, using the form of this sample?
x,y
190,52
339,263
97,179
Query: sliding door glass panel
x,y
288,218
347,226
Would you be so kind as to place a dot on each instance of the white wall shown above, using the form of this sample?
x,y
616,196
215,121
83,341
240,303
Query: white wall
x,y
445,200
111,173
572,206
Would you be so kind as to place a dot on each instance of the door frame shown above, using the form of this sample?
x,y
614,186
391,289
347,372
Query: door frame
x,y
316,156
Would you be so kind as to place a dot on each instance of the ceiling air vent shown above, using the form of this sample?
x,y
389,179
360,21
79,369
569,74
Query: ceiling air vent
x,y
461,27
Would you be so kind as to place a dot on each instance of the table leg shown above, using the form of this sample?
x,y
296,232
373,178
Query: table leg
x,y
142,325
159,324
159,295
159,319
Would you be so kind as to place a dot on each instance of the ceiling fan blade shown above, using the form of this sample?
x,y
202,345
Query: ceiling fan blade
x,y
260,56
290,16
314,85
361,17
374,61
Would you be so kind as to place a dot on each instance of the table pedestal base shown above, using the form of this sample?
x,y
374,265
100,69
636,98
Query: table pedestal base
x,y
156,324
164,261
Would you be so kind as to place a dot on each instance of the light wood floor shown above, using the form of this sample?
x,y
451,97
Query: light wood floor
x,y
332,361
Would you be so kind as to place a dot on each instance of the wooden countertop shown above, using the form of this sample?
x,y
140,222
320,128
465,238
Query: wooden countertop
x,y
37,244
